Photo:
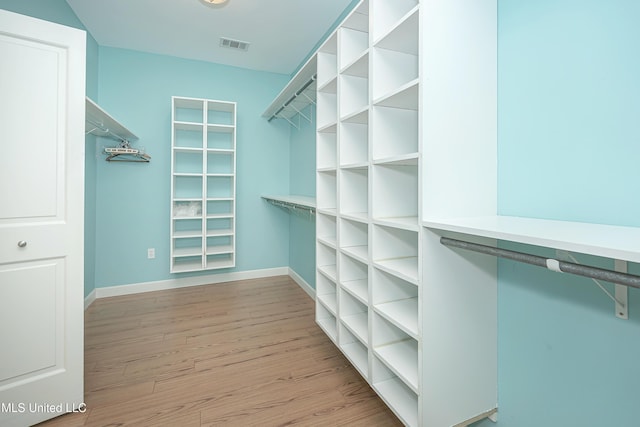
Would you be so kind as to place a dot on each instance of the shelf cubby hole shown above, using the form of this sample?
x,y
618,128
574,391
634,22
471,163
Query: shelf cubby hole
x,y
354,277
220,113
187,187
353,193
397,350
359,18
396,252
327,68
394,132
353,43
219,187
359,67
327,150
219,209
354,144
187,247
326,229
395,194
354,239
324,287
219,245
396,300
186,228
353,94
220,162
326,261
396,394
326,109
184,264
326,320
219,226
187,162
326,192
328,300
226,260
188,110
220,139
354,350
388,15
355,316
188,136
392,71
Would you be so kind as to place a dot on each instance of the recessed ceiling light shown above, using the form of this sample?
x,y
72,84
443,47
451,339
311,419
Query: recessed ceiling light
x,y
215,1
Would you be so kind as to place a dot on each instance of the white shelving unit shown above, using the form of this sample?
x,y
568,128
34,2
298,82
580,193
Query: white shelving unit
x,y
203,184
369,203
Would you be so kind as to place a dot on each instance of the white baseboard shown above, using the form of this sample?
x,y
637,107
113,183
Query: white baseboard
x,y
89,299
303,283
183,282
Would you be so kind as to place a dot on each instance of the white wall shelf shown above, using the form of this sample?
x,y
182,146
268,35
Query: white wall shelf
x,y
100,123
607,241
294,203
297,95
203,167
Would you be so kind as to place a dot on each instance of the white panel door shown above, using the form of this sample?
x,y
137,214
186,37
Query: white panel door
x,y
42,80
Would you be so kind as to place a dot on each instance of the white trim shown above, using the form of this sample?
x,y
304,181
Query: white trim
x,y
303,284
183,282
89,299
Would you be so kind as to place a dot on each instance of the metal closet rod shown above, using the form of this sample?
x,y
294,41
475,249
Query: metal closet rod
x,y
625,279
294,96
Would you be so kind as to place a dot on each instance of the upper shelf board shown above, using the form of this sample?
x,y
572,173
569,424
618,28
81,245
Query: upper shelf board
x,y
302,77
100,123
295,200
609,241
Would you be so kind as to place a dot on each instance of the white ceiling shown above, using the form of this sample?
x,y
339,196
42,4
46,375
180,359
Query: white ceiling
x,y
280,32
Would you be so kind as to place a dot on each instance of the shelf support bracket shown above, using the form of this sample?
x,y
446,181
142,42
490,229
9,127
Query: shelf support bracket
x,y
621,293
301,114
291,123
620,297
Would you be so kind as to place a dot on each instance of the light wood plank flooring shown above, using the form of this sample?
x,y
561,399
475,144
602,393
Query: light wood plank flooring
x,y
244,353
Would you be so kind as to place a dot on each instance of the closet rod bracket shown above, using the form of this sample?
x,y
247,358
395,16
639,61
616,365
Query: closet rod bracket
x,y
619,276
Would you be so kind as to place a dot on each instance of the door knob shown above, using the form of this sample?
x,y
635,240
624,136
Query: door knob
x,y
22,243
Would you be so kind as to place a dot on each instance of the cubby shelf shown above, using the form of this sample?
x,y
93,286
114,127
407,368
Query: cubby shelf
x,y
402,313
203,167
358,288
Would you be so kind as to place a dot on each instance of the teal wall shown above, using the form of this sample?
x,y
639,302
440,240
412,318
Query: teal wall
x,y
133,199
58,11
568,108
302,227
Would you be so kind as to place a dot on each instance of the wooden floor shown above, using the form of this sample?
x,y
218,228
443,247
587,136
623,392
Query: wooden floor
x,y
234,354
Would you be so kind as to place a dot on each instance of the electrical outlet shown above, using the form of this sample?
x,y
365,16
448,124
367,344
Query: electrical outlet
x,y
151,253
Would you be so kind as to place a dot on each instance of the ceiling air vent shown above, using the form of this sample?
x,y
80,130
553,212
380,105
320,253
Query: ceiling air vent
x,y
234,44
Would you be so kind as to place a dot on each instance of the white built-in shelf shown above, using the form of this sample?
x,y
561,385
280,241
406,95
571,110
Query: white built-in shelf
x,y
329,301
402,313
358,325
203,167
402,358
100,123
357,354
357,252
400,399
405,268
409,223
357,288
328,241
329,271
608,241
297,95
